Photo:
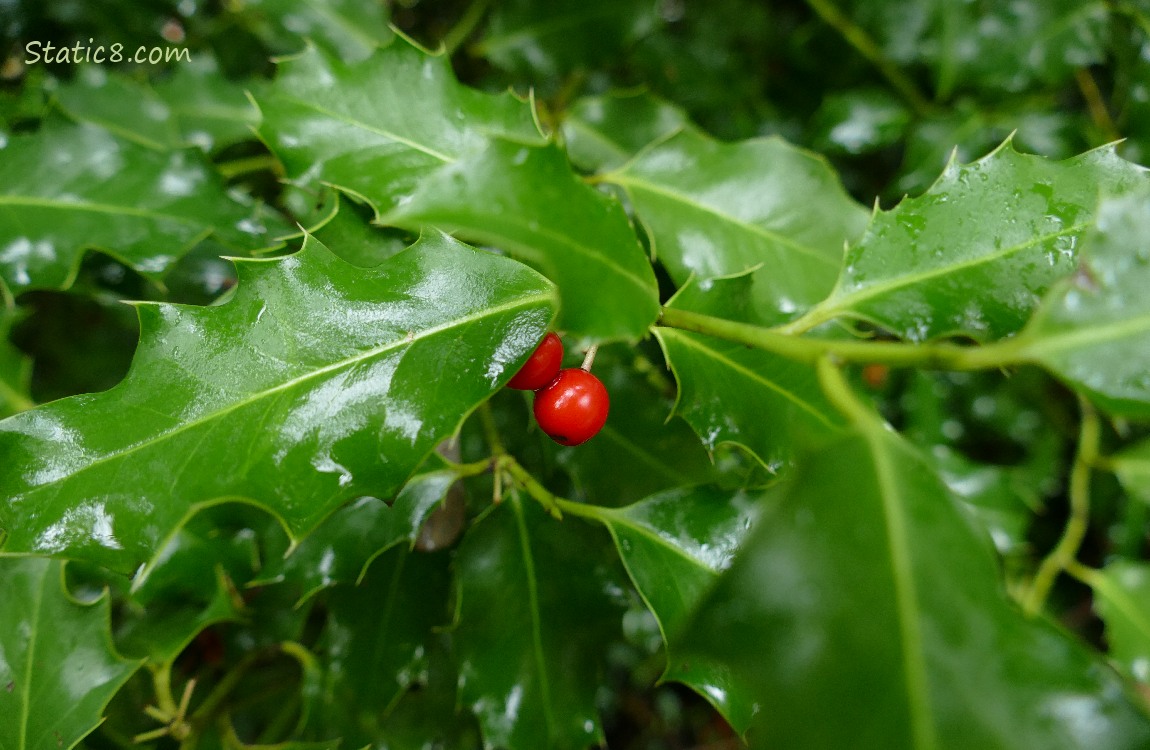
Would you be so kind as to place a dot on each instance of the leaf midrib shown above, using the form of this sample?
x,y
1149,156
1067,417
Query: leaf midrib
x,y
631,183
26,689
1092,336
751,374
923,729
840,302
349,120
93,207
364,356
536,624
640,453
527,250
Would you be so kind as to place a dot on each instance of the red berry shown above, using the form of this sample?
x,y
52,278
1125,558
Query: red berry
x,y
573,408
541,367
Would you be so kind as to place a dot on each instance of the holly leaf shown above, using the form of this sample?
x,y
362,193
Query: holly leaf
x,y
194,106
379,147
1093,331
211,110
64,190
534,686
993,48
716,209
735,395
976,252
316,383
526,200
376,643
674,545
1122,599
58,669
603,132
193,581
349,29
346,543
121,105
547,40
838,619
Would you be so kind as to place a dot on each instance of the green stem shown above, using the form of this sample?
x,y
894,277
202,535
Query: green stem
x,y
1063,556
938,356
211,705
464,27
470,470
532,486
237,167
839,392
858,38
491,430
1096,104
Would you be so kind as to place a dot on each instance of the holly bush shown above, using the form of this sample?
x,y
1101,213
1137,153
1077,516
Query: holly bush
x,y
867,281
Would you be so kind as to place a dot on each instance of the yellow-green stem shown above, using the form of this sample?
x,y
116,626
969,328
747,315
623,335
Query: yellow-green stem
x,y
938,356
858,38
1065,553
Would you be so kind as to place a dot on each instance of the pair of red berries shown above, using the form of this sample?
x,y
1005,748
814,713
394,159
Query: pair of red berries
x,y
570,405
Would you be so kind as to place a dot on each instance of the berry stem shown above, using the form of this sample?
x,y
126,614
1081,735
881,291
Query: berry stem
x,y
1065,553
589,359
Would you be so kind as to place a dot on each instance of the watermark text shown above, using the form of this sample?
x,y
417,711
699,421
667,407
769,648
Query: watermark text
x,y
35,52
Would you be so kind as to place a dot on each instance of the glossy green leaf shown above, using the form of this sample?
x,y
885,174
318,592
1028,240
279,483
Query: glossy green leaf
x,y
733,394
866,612
1020,460
429,712
348,28
603,132
715,209
193,581
212,110
1094,329
974,254
121,105
663,452
860,121
417,119
557,37
1122,599
58,668
194,106
316,383
995,48
674,545
376,642
526,200
67,189
345,226
534,685
339,551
